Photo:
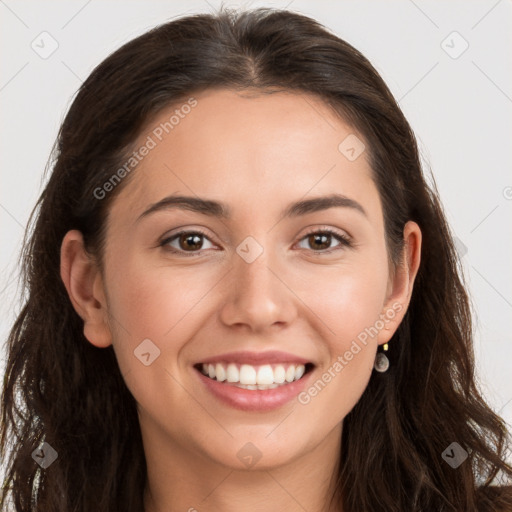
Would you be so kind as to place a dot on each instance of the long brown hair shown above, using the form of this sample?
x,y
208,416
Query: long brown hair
x,y
62,390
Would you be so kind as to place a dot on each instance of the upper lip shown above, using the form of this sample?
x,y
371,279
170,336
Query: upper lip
x,y
254,358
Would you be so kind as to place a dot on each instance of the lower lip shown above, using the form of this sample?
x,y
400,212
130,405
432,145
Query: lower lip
x,y
257,399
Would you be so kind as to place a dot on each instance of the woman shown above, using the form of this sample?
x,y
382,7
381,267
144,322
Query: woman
x,y
242,294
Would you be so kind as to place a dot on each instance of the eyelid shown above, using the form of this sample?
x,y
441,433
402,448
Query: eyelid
x,y
327,229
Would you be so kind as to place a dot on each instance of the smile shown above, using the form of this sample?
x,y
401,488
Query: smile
x,y
252,381
247,376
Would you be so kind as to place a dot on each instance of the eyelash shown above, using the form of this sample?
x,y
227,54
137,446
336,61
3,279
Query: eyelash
x,y
345,241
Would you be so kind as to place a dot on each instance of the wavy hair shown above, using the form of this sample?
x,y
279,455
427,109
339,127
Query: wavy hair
x,y
60,389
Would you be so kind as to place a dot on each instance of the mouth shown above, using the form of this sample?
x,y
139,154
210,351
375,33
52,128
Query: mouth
x,y
253,383
255,377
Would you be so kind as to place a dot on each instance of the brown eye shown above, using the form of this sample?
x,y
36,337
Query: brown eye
x,y
320,241
186,242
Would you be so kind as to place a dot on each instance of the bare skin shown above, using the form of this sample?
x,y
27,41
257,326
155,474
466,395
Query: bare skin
x,y
255,154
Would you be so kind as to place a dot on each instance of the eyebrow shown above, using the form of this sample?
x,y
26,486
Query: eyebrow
x,y
216,209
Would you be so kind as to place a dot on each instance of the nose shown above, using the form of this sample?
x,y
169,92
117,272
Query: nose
x,y
257,295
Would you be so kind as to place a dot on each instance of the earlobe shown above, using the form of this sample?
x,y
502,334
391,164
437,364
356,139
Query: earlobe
x,y
402,283
82,279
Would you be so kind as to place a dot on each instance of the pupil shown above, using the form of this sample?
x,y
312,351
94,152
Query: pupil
x,y
194,245
316,237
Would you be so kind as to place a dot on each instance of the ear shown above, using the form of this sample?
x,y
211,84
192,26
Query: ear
x,y
401,283
84,284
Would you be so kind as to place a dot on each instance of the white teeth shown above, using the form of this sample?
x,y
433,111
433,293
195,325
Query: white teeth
x,y
265,375
246,376
290,374
279,374
232,373
220,373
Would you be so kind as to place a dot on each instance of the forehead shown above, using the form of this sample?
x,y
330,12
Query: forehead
x,y
247,150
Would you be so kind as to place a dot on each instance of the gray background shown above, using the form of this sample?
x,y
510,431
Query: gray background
x,y
459,104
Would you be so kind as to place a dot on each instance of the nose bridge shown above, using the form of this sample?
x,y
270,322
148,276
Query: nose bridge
x,y
253,268
256,296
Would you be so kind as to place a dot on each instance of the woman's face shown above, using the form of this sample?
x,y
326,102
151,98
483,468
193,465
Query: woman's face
x,y
260,290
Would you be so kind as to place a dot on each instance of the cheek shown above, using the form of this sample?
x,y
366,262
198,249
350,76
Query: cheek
x,y
349,304
348,300
158,302
148,298
164,305
349,312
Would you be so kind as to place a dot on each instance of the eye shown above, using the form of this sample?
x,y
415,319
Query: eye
x,y
187,242
322,238
191,243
